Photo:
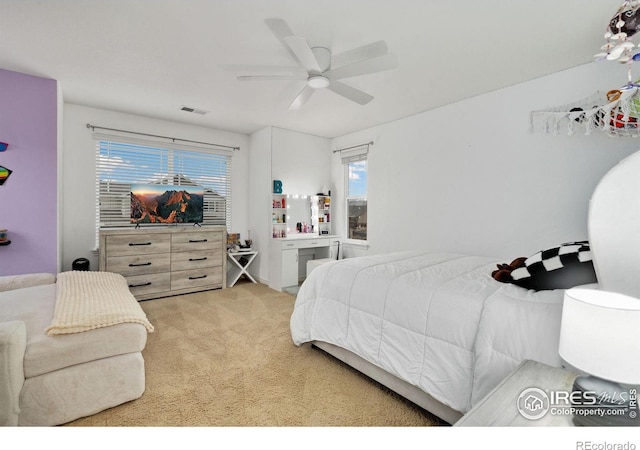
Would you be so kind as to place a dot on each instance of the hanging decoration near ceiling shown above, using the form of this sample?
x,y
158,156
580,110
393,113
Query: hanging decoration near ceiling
x,y
616,112
622,26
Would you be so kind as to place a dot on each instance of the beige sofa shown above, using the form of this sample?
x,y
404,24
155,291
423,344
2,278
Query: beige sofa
x,y
51,380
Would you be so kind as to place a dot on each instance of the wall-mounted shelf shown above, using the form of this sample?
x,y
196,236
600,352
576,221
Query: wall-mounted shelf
x,y
615,118
321,214
5,243
279,215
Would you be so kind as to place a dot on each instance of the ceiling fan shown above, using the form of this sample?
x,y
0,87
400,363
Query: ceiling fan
x,y
322,69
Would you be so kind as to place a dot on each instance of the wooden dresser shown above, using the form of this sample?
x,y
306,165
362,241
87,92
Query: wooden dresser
x,y
163,261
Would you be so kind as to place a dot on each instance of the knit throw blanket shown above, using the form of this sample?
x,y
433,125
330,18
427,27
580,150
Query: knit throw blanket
x,y
87,300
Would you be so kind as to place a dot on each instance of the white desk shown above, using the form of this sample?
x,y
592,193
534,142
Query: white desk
x,y
286,266
236,270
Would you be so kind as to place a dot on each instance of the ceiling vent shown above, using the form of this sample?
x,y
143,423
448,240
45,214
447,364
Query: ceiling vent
x,y
189,109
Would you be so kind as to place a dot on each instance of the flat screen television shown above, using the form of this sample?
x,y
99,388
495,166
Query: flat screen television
x,y
163,204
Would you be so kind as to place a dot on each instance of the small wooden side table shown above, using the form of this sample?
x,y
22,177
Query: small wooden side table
x,y
236,269
500,406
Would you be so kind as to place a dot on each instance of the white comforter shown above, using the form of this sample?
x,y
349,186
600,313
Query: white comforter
x,y
438,321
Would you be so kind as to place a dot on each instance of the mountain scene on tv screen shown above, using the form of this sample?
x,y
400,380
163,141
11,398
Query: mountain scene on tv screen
x,y
171,206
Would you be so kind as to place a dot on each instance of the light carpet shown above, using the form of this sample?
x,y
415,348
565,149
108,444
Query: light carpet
x,y
226,358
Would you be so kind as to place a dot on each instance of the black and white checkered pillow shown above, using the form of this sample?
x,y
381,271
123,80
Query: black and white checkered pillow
x,y
560,267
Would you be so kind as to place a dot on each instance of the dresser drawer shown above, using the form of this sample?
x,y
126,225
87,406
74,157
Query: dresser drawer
x,y
149,284
187,279
196,259
139,264
134,244
188,242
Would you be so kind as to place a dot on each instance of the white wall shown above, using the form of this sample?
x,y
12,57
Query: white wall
x,y
471,177
300,160
78,161
260,200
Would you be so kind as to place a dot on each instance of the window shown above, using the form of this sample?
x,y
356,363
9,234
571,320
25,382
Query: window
x,y
356,194
121,164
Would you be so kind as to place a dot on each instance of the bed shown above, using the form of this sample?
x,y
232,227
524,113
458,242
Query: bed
x,y
437,322
438,329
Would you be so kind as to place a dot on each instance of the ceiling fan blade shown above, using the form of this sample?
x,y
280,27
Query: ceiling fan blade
x,y
379,64
256,69
270,77
304,95
369,51
279,28
303,53
353,94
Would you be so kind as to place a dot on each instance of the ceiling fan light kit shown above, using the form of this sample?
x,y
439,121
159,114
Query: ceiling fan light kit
x,y
318,82
318,62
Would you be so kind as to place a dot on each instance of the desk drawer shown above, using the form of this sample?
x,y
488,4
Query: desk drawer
x,y
139,264
187,279
196,259
134,244
188,242
149,284
304,243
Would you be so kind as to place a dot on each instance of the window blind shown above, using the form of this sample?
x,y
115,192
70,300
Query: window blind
x,y
121,163
356,154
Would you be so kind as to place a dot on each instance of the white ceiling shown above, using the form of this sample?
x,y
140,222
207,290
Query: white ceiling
x,y
152,57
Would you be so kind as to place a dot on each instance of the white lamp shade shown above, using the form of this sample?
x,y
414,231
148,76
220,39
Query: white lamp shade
x,y
600,334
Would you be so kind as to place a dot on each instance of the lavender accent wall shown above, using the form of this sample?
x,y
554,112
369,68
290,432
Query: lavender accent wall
x,y
28,199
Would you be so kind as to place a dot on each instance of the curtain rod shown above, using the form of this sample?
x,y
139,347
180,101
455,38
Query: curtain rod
x,y
354,146
94,127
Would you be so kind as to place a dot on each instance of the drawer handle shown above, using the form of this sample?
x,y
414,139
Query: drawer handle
x,y
131,244
140,264
197,278
314,243
197,240
198,259
148,283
